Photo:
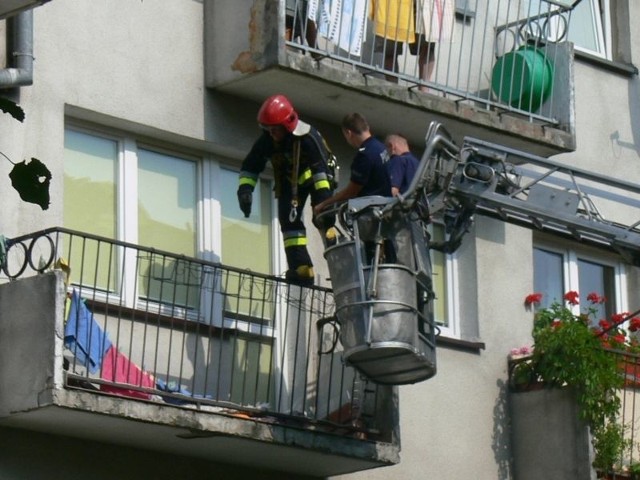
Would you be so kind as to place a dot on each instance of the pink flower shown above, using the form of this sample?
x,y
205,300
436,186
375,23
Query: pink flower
x,y
572,297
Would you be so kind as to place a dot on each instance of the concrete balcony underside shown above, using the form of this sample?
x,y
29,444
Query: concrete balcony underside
x,y
37,394
214,437
328,92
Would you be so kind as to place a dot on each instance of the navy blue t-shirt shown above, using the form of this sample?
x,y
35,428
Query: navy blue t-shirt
x,y
368,169
401,169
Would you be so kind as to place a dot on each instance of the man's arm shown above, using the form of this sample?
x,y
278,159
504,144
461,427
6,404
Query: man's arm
x,y
350,191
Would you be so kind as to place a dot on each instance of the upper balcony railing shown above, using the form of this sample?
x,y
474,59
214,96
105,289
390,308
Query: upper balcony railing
x,y
496,54
152,325
500,70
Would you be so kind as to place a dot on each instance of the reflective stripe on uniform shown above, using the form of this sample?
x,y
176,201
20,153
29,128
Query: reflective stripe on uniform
x,y
248,178
320,184
295,242
306,175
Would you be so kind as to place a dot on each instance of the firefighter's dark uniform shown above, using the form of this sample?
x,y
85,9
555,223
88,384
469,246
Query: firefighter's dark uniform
x,y
310,179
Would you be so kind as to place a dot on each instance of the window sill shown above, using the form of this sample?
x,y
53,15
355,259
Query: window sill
x,y
626,69
458,344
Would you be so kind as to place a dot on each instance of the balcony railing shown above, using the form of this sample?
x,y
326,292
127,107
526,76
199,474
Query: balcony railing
x,y
498,55
629,418
152,325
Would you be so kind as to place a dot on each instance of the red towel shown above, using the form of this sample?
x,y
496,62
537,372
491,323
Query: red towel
x,y
116,367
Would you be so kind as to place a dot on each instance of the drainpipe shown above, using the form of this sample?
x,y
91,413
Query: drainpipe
x,y
22,46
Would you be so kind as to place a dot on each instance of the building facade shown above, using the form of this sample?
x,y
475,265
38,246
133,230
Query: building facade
x,y
143,111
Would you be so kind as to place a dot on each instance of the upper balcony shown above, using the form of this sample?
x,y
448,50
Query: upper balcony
x,y
496,70
134,346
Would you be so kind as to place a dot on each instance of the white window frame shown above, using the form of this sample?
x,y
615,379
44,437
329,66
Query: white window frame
x,y
451,286
208,218
601,28
570,257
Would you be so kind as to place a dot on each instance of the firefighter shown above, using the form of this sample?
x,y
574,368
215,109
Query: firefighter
x,y
300,159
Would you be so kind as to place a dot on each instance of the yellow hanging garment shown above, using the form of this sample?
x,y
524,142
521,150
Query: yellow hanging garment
x,y
394,19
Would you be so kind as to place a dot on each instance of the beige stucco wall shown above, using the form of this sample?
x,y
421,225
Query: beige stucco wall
x,y
138,66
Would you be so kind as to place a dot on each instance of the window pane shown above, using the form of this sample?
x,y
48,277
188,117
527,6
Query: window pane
x,y
548,277
167,214
90,172
438,265
585,28
240,233
246,243
593,277
90,166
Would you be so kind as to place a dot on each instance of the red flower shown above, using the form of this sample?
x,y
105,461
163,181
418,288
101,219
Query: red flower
x,y
618,318
556,324
634,324
604,324
619,338
593,297
572,297
533,298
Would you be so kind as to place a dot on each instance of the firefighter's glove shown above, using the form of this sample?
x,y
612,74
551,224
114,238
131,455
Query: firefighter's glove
x,y
244,200
324,221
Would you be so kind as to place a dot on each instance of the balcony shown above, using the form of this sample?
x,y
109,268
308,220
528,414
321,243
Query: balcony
x,y
481,84
10,8
117,343
551,440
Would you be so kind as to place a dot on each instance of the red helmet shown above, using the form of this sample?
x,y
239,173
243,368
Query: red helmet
x,y
277,110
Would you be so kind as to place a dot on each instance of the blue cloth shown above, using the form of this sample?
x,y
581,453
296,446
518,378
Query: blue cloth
x,y
368,169
83,336
401,169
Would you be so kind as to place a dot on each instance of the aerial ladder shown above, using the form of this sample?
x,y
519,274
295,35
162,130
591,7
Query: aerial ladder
x,y
380,267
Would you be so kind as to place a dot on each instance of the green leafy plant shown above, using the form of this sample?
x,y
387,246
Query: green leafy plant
x,y
572,350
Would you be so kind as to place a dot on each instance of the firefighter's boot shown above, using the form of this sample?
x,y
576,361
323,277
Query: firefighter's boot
x,y
303,276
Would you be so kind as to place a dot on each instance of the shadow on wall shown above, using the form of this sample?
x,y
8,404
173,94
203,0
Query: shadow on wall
x,y
634,109
634,112
501,435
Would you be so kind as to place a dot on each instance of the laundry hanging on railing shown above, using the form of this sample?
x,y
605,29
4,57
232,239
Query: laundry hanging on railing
x,y
117,368
93,349
83,336
341,21
435,19
402,20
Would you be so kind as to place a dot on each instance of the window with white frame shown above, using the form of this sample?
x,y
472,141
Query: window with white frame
x,y
557,271
444,282
589,27
118,188
589,24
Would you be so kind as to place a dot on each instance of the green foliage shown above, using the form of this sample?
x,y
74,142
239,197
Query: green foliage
x,y
570,352
31,179
567,352
13,109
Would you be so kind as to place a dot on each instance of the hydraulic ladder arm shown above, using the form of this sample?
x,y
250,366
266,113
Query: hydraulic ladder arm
x,y
523,189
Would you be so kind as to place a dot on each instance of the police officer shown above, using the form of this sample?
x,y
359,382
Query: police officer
x,y
299,156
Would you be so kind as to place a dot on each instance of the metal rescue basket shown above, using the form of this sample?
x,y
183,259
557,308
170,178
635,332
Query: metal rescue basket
x,y
381,278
